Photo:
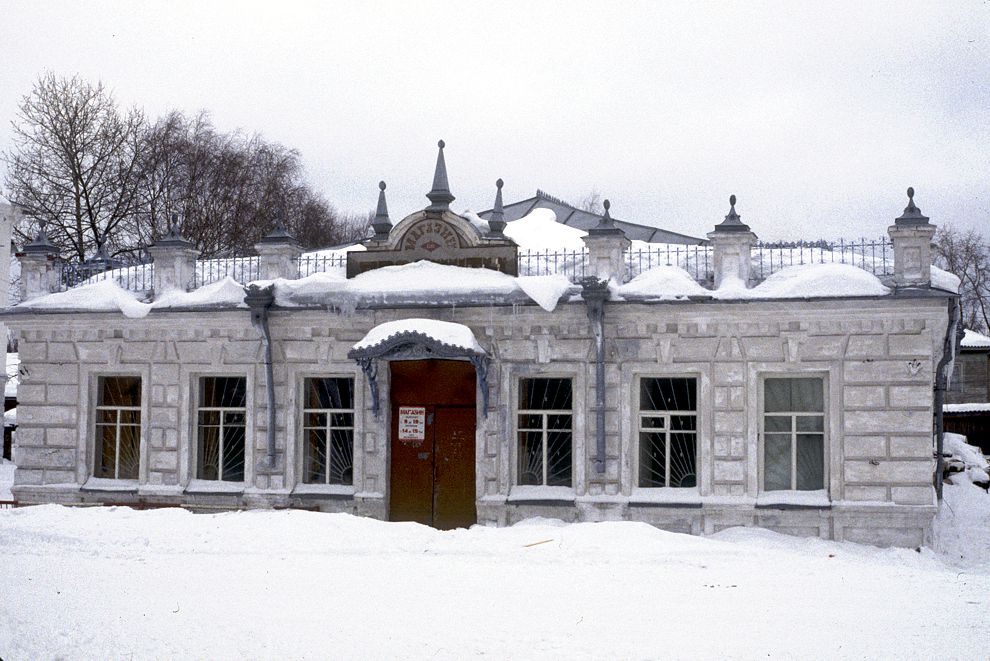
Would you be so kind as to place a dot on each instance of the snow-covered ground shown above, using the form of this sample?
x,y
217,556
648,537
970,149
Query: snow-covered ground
x,y
118,583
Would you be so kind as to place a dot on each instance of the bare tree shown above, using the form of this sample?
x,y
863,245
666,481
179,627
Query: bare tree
x,y
99,178
228,189
592,202
967,254
73,163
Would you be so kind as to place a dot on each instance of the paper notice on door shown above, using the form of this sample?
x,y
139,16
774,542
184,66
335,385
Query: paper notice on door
x,y
412,423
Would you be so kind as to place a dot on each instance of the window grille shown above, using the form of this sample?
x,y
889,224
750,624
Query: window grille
x,y
118,427
544,431
793,434
221,425
328,431
668,431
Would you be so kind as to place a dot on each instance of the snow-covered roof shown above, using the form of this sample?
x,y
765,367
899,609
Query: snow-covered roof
x,y
806,281
665,272
974,340
971,407
443,332
570,216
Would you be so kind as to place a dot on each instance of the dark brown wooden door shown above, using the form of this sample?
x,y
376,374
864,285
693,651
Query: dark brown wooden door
x,y
432,477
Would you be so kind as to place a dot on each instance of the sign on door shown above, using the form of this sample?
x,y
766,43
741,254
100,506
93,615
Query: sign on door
x,y
412,423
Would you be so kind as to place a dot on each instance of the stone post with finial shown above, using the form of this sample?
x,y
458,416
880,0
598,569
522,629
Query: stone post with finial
x,y
39,273
175,261
606,244
732,245
912,235
496,223
382,224
278,254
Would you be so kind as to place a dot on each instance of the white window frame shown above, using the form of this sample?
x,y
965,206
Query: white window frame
x,y
543,413
640,429
117,424
328,428
222,410
824,414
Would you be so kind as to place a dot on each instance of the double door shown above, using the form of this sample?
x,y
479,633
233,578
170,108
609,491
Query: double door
x,y
432,467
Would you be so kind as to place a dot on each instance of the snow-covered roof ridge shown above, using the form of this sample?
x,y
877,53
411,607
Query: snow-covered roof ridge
x,y
973,340
444,333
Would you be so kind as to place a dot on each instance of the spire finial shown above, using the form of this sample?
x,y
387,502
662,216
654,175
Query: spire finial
x,y
912,214
440,197
382,224
497,220
733,221
605,224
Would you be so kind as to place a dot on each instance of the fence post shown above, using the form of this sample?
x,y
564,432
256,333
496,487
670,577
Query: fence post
x,y
912,235
175,263
606,244
39,273
732,244
277,253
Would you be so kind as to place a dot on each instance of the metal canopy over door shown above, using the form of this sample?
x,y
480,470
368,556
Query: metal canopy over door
x,y
432,476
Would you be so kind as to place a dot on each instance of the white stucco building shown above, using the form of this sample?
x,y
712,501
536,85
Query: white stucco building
x,y
432,382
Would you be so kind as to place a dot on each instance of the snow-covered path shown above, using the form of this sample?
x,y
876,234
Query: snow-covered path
x,y
115,583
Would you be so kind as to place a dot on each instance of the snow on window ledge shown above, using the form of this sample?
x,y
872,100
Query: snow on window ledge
x,y
323,490
109,484
521,492
214,486
817,498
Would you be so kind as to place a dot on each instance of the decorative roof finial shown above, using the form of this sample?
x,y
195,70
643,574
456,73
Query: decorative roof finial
x,y
497,220
279,235
174,234
605,224
912,214
733,221
41,243
440,197
174,237
382,224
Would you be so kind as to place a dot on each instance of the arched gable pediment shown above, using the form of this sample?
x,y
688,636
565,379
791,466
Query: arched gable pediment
x,y
442,237
432,233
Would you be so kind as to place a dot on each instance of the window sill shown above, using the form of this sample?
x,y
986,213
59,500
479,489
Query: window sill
x,y
107,484
665,497
540,495
214,486
794,500
332,491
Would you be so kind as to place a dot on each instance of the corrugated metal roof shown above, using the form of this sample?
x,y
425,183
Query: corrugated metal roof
x,y
585,220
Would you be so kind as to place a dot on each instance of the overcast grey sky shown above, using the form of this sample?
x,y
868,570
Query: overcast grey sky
x,y
817,116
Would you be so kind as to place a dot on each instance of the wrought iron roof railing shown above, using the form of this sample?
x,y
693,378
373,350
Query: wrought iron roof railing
x,y
873,255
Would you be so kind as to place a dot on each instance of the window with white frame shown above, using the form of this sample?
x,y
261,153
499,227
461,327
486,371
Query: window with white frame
x,y
668,432
544,417
794,434
328,431
221,418
118,427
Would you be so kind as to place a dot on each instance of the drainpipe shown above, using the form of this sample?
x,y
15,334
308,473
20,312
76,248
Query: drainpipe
x,y
259,300
949,348
595,293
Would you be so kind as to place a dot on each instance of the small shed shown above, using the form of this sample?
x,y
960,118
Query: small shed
x,y
967,408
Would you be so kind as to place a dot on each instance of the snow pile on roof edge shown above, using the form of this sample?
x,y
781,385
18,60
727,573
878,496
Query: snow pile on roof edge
x,y
444,332
945,280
